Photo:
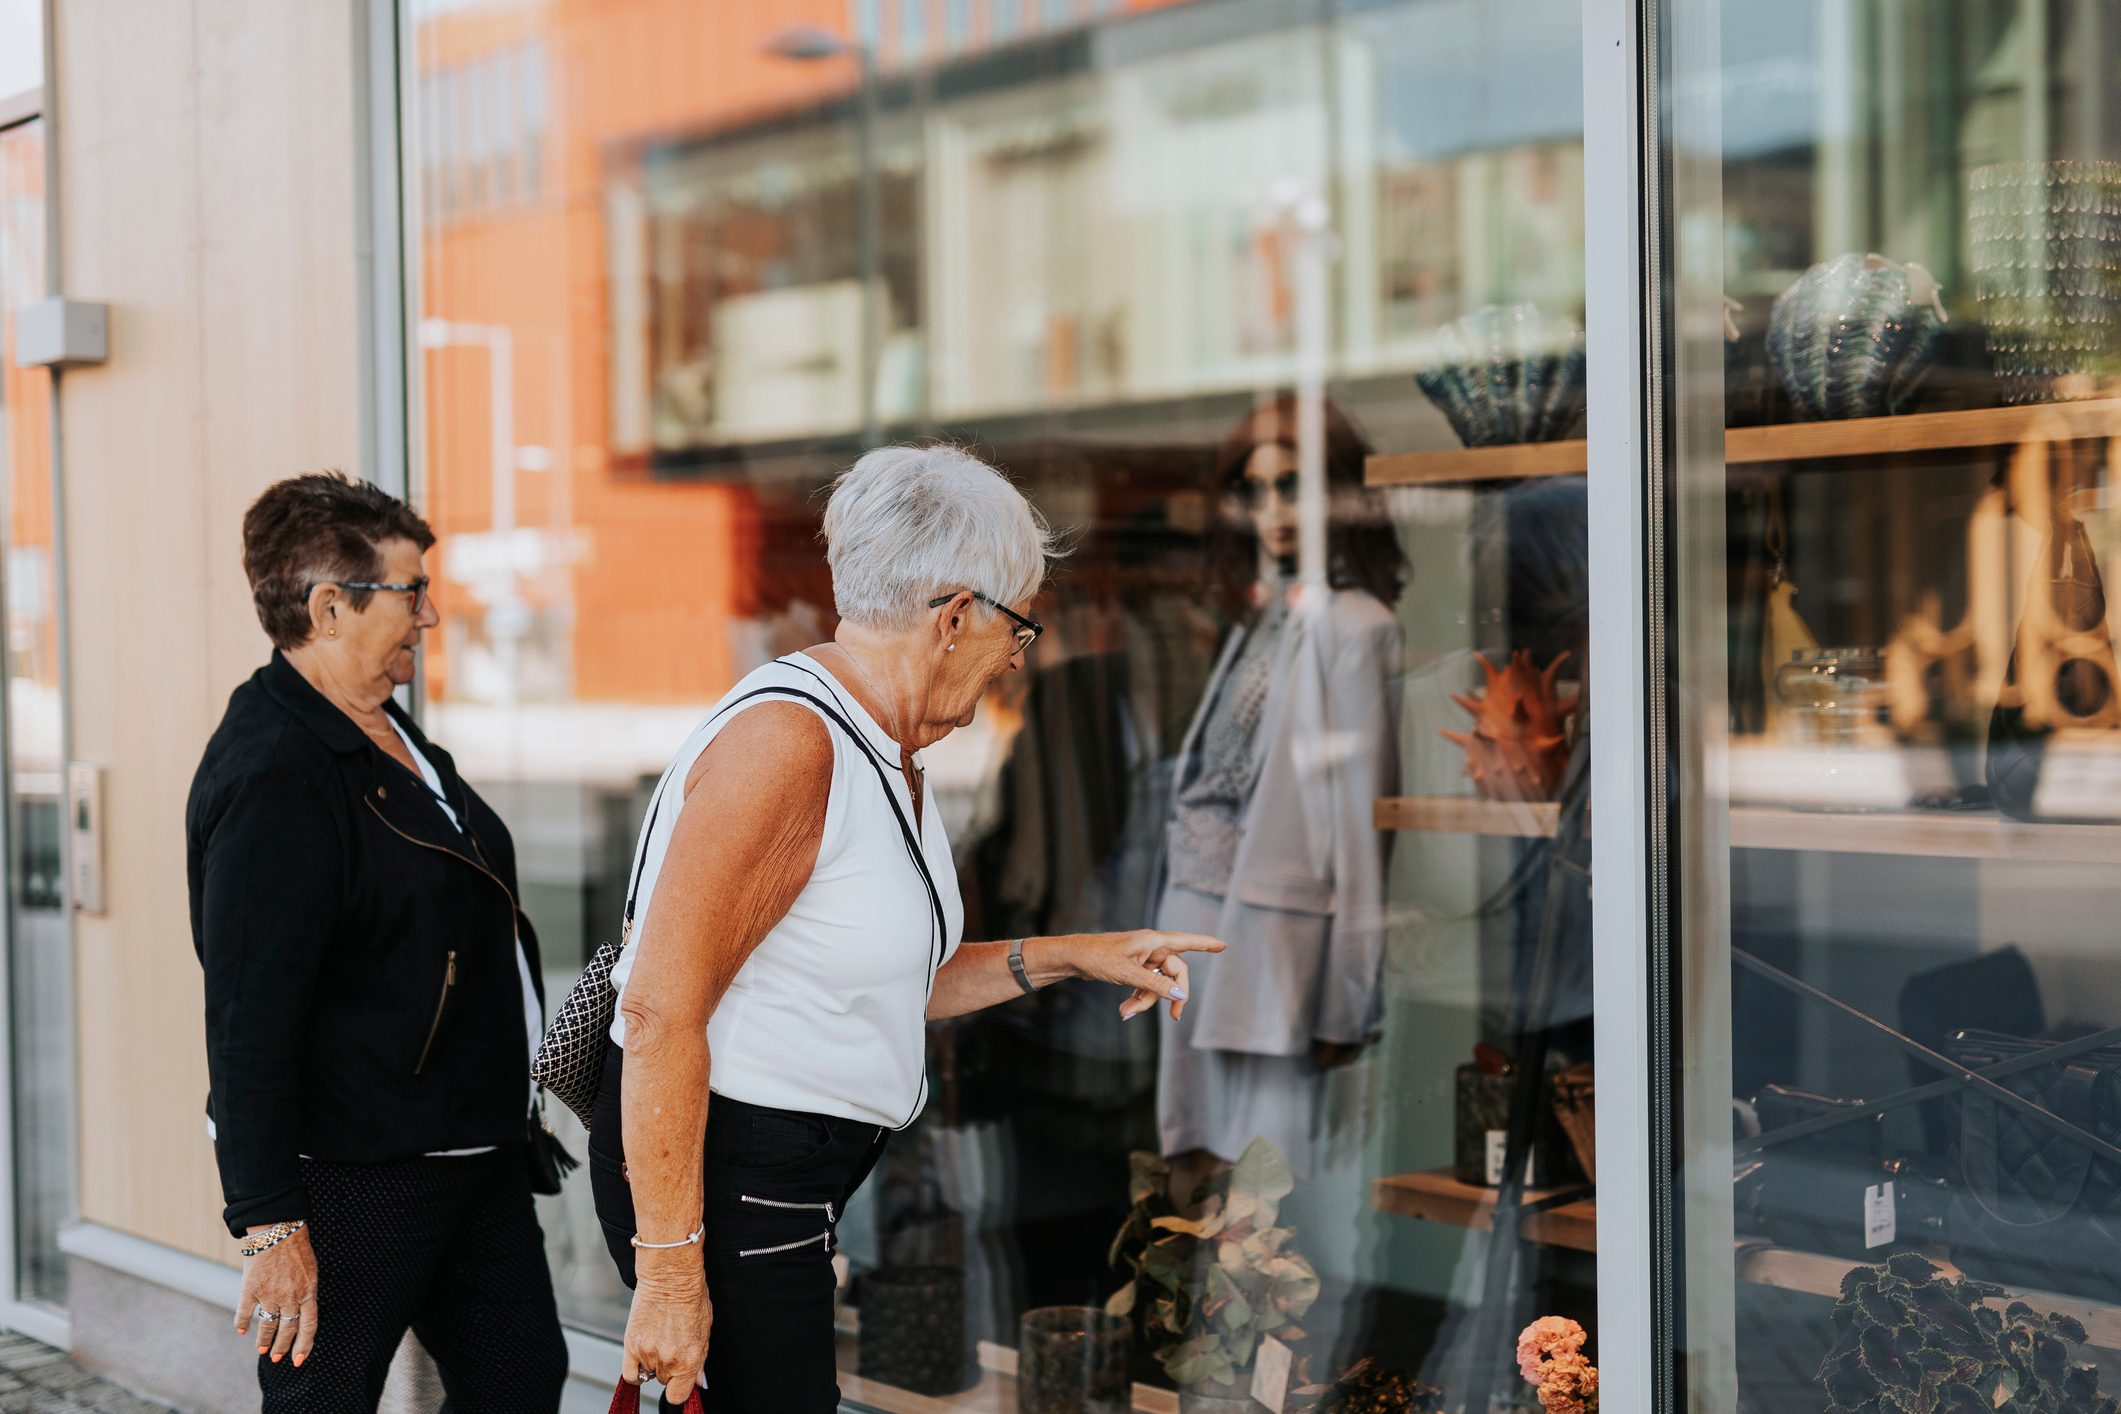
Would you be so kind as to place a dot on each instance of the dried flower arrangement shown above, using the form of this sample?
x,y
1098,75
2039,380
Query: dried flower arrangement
x,y
1551,1359
1214,1286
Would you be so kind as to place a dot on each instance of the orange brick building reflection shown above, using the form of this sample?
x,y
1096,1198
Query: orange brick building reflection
x,y
612,585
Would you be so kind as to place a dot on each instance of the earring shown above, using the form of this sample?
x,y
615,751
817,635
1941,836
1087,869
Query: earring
x,y
331,633
951,649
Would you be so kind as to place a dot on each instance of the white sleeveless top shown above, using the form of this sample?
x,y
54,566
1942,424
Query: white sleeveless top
x,y
828,1014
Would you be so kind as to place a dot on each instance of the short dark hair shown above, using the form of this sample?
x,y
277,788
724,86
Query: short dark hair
x,y
308,530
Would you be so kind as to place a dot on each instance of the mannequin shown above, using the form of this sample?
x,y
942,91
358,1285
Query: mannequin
x,y
1269,843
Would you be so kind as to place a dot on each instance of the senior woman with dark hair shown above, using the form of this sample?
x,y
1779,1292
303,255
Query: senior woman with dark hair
x,y
798,922
371,991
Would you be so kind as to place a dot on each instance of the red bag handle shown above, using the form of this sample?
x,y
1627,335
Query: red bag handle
x,y
626,1399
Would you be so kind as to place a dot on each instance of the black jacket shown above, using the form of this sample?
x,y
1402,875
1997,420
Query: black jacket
x,y
363,1001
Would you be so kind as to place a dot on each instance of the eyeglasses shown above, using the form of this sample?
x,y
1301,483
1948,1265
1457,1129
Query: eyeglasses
x,y
1254,493
1027,630
417,589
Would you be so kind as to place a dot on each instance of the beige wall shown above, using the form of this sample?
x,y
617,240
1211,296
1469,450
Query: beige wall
x,y
207,192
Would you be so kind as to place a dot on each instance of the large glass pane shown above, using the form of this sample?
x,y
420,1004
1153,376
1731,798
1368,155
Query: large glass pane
x,y
1896,729
39,936
1325,702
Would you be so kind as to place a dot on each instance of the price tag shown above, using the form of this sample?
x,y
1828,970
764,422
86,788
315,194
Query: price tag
x,y
1498,1151
1880,1226
1270,1374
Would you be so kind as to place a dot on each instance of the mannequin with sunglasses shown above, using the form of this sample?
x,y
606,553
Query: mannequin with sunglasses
x,y
1269,843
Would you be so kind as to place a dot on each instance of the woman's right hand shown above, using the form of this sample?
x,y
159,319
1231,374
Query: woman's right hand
x,y
282,1281
666,1333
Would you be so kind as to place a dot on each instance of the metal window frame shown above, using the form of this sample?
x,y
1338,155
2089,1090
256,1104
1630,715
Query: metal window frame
x,y
1630,990
35,1318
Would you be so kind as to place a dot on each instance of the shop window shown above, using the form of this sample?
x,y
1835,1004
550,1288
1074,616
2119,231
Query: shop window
x,y
1892,531
1105,245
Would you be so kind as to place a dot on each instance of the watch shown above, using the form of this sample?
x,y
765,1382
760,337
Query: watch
x,y
1016,966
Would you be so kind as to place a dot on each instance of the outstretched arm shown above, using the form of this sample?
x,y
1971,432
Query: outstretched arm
x,y
1149,963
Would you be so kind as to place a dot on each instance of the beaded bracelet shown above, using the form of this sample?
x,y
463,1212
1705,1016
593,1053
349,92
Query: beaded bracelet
x,y
697,1234
272,1237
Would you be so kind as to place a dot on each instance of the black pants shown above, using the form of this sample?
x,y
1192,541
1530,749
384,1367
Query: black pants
x,y
777,1182
447,1247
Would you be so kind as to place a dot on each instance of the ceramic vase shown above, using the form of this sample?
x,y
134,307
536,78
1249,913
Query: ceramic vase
x,y
2044,240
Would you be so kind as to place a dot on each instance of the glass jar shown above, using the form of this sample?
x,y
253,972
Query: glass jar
x,y
1833,695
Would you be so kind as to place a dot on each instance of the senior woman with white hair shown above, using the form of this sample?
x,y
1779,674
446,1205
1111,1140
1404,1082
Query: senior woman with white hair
x,y
798,922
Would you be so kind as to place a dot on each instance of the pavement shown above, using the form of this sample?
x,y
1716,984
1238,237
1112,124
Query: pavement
x,y
36,1379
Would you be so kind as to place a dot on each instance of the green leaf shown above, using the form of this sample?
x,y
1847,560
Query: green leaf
x,y
1234,1311
1261,1169
1121,1302
1148,1176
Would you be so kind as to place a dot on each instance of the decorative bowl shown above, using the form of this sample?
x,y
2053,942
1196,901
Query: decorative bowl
x,y
1506,374
1856,335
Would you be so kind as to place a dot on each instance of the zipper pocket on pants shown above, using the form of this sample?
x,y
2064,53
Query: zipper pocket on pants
x,y
825,1237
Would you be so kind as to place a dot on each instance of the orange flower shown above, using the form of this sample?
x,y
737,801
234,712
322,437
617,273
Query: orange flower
x,y
1569,1386
1546,1338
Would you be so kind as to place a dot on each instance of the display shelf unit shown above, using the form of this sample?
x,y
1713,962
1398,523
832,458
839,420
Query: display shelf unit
x,y
1436,1196
1939,834
994,1394
1784,442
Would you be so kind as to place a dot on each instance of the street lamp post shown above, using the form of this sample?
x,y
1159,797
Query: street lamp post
x,y
808,43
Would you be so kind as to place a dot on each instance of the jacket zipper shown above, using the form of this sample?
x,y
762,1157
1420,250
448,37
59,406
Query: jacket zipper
x,y
449,979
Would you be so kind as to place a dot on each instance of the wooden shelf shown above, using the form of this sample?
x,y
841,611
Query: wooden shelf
x,y
1465,815
1435,1196
1438,1197
1938,834
1793,441
1458,466
1819,1274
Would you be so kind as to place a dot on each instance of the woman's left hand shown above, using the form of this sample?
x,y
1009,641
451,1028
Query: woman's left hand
x,y
1145,960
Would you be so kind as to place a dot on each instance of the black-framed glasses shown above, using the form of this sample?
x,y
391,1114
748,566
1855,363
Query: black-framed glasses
x,y
417,589
1027,630
1253,493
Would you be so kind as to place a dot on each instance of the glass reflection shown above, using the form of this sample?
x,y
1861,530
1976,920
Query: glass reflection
x,y
1122,250
1900,731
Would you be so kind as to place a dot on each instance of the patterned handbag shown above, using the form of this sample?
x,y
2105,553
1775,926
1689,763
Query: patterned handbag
x,y
570,1060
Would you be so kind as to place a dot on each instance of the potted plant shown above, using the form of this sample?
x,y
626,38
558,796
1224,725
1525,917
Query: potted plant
x,y
1908,1339
1208,1289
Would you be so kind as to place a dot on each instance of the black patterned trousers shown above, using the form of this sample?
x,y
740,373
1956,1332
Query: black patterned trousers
x,y
448,1248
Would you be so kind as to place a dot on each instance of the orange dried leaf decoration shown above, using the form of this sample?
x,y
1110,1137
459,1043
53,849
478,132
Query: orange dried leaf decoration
x,y
1519,744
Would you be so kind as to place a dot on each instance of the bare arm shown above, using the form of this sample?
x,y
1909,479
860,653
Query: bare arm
x,y
1148,962
743,846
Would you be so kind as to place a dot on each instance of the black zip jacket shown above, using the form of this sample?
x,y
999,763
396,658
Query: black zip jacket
x,y
362,997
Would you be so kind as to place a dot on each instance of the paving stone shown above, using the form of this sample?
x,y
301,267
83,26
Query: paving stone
x,y
36,1379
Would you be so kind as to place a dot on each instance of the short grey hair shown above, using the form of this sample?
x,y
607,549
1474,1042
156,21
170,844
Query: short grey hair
x,y
905,524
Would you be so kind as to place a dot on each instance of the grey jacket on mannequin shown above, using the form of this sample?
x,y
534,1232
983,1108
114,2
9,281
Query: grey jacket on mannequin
x,y
1304,918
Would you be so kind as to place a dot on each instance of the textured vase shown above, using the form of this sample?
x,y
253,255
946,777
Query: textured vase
x,y
1855,336
2044,240
1072,1360
913,1330
1507,374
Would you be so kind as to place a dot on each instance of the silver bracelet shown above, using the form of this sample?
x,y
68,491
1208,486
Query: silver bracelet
x,y
1016,965
692,1241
